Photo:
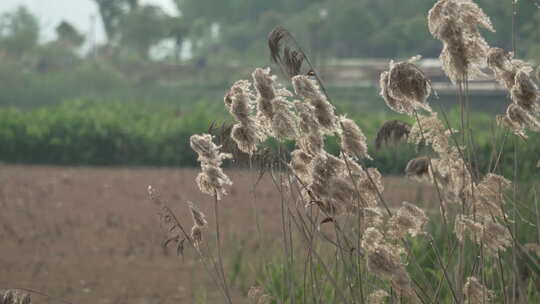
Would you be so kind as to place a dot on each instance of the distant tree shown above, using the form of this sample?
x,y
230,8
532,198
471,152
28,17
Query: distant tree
x,y
133,4
179,31
144,27
68,34
111,12
19,31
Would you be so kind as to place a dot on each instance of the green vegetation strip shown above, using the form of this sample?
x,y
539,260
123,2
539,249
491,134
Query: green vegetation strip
x,y
83,132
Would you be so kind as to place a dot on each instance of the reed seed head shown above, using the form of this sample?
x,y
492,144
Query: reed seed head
x,y
377,297
372,239
247,137
196,235
498,58
525,93
284,120
392,132
255,292
518,120
199,219
9,297
407,82
409,219
418,168
370,186
26,299
301,165
342,190
490,195
475,292
241,104
324,110
463,225
264,84
212,180
399,106
353,140
456,23
371,217
325,168
496,237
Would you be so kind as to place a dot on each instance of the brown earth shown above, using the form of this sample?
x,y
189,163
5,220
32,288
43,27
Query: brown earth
x,y
90,235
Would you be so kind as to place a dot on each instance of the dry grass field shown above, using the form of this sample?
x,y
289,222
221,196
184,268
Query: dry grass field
x,y
89,235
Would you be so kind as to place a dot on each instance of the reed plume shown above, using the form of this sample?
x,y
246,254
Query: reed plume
x,y
392,132
14,297
247,132
310,91
418,168
353,140
476,293
377,297
284,120
212,180
490,195
311,138
456,23
409,219
518,120
384,261
405,88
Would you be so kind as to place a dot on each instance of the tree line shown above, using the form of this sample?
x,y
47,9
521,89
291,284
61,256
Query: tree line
x,y
236,29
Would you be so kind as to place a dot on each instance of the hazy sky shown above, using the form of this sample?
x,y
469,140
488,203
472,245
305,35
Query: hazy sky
x,y
77,12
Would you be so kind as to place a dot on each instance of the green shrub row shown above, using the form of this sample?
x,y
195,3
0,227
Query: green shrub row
x,y
144,134
90,133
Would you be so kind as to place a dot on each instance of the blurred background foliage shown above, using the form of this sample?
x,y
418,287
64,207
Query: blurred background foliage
x,y
159,78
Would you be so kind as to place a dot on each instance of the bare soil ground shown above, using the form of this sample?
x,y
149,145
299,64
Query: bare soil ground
x,y
89,235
